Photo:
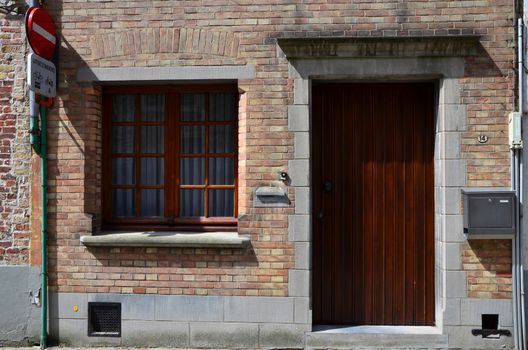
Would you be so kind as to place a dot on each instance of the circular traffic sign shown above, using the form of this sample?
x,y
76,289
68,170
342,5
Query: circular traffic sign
x,y
40,32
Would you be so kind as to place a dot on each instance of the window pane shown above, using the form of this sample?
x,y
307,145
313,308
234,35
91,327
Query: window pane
x,y
221,139
123,108
124,202
221,171
222,107
152,171
152,139
152,202
193,107
192,139
123,139
152,108
191,203
192,171
123,171
221,202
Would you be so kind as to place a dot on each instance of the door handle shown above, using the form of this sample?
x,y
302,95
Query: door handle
x,y
327,186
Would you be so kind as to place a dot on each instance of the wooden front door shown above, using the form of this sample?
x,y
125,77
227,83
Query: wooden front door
x,y
373,192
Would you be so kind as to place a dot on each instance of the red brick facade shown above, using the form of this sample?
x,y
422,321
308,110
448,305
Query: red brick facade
x,y
15,155
489,266
174,33
210,33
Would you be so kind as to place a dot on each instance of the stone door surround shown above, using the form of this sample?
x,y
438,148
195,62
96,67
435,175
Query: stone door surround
x,y
439,59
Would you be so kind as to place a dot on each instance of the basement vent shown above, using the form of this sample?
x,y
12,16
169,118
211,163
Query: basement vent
x,y
490,327
104,319
490,321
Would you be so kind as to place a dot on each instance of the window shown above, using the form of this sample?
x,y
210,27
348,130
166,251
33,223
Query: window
x,y
170,156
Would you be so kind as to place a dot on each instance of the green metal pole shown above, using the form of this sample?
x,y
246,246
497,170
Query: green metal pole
x,y
34,133
44,235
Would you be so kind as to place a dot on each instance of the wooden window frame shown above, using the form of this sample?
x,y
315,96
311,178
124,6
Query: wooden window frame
x,y
171,123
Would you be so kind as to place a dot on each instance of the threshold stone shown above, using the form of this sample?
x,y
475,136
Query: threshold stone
x,y
166,239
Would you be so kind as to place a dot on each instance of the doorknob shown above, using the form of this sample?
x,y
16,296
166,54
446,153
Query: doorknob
x,y
327,186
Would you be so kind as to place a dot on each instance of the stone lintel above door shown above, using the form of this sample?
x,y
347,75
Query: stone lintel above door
x,y
357,47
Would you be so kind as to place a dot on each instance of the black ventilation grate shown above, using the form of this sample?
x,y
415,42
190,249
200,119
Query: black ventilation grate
x,y
104,319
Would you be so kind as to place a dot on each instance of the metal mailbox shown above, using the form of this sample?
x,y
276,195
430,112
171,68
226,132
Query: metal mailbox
x,y
489,212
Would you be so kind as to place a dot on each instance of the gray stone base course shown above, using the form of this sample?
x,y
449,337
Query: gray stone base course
x,y
185,321
460,338
19,319
254,323
145,333
231,335
281,335
74,332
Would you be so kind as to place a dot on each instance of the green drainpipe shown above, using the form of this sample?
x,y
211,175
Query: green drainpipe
x,y
44,235
34,132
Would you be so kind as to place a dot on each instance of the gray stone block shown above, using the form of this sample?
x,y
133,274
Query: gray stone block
x,y
374,340
302,200
439,285
472,309
454,228
189,308
299,228
133,307
452,201
449,91
280,53
439,255
167,239
74,332
454,117
155,333
293,73
379,67
451,145
438,168
282,336
452,312
61,305
460,337
128,74
454,173
456,284
299,118
439,311
439,200
299,283
301,88
438,147
301,145
224,335
439,227
302,255
302,312
299,172
453,256
258,309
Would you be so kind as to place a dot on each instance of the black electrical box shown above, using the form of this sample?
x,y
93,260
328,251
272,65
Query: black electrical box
x,y
489,212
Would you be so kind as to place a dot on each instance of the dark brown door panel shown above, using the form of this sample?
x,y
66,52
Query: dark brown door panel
x,y
373,255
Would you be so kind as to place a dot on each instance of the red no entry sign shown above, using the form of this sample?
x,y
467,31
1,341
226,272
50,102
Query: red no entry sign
x,y
41,33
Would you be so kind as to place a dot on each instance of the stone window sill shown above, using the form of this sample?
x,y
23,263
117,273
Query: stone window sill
x,y
166,239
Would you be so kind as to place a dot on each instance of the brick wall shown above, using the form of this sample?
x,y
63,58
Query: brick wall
x,y
489,267
15,153
218,32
